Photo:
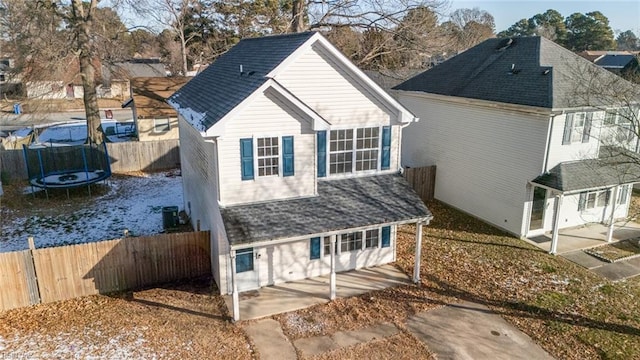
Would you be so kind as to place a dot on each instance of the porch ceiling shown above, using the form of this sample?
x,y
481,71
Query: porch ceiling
x,y
340,205
592,173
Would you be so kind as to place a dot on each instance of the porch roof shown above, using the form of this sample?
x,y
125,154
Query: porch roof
x,y
340,205
589,174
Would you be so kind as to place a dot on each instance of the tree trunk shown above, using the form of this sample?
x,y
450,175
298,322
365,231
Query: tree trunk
x,y
297,23
82,27
183,52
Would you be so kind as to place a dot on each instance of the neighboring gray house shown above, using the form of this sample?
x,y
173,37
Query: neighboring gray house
x,y
290,156
116,76
513,141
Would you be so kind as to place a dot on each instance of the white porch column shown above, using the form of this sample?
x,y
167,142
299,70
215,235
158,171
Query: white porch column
x,y
416,266
556,224
332,278
234,284
612,203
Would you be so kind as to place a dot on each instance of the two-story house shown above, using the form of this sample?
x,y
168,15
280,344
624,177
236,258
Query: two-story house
x,y
516,128
290,156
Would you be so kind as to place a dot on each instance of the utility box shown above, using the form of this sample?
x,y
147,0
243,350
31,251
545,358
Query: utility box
x,y
170,218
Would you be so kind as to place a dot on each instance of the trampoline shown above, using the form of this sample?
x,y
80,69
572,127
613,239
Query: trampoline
x,y
66,167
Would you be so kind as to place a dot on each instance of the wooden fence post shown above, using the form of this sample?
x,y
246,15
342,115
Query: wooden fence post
x,y
32,275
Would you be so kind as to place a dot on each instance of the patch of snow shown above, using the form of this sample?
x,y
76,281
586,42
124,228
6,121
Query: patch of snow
x,y
193,117
81,344
132,203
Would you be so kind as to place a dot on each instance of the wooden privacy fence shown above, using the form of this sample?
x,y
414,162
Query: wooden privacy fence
x,y
124,157
423,181
50,274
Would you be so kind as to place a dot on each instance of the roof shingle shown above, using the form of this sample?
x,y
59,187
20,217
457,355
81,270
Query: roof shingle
x,y
340,205
222,85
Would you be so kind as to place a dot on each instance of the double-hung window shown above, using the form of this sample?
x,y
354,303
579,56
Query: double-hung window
x,y
593,199
578,127
267,155
351,241
161,125
372,238
354,150
273,156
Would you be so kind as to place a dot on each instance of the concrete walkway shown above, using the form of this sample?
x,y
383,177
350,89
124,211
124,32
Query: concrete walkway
x,y
614,271
458,331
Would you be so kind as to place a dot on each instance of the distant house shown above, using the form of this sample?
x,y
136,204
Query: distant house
x,y
154,118
116,76
290,156
614,61
513,143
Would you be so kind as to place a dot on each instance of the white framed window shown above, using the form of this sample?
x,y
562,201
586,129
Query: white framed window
x,y
327,245
161,125
351,241
611,117
578,127
623,194
352,150
372,239
367,145
593,199
341,151
267,154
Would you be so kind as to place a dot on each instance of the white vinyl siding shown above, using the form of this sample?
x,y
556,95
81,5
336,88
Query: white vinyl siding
x,y
485,157
268,116
200,190
338,97
290,261
570,215
576,150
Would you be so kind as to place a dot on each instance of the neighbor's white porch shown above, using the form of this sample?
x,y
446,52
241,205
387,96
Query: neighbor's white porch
x,y
586,236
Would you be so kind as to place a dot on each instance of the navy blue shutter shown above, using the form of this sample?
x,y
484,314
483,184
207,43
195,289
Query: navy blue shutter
x,y
246,156
287,156
322,153
568,127
386,236
386,148
315,248
587,128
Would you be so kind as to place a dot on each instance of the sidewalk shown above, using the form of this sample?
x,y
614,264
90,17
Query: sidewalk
x,y
456,331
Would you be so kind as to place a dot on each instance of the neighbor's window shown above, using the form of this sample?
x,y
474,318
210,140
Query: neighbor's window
x,y
351,241
611,117
372,238
578,127
593,199
268,156
349,153
623,194
161,125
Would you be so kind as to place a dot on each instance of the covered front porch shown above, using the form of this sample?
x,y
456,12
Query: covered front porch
x,y
586,236
295,295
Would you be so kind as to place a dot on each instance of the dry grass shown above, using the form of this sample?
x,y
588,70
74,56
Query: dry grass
x,y
616,251
398,347
182,321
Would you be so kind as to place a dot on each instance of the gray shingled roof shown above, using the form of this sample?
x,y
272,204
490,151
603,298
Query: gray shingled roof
x,y
340,205
615,60
221,87
530,71
591,174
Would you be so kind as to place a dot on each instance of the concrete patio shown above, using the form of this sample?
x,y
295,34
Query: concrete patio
x,y
586,236
572,242
297,295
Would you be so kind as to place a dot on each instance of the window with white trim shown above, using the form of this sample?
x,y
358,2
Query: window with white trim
x,y
267,155
372,238
327,246
593,199
578,127
341,151
351,241
623,194
352,150
367,145
161,125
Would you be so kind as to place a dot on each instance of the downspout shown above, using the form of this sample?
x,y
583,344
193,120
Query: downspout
x,y
400,167
545,164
